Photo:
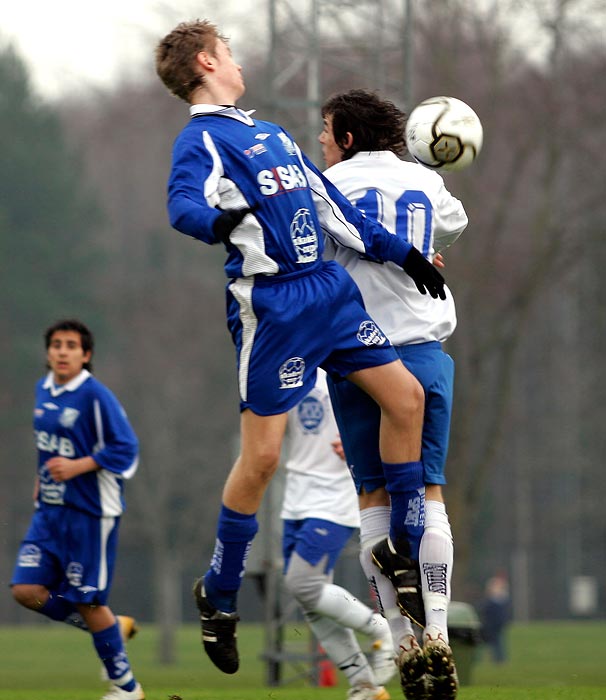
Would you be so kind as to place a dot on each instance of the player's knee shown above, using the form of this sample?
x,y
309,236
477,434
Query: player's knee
x,y
258,467
304,589
415,398
29,595
305,581
406,407
266,461
412,404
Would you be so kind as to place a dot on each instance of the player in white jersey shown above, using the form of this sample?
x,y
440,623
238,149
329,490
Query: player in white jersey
x,y
362,141
244,182
320,513
86,449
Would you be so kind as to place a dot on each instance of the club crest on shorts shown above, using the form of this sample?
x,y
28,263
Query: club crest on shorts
x,y
30,555
370,334
73,573
291,373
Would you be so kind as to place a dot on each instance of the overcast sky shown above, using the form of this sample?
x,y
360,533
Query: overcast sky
x,y
66,43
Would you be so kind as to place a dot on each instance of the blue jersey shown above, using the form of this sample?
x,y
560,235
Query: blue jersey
x,y
78,419
225,159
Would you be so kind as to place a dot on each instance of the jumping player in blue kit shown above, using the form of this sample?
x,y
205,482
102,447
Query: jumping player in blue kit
x,y
86,450
244,183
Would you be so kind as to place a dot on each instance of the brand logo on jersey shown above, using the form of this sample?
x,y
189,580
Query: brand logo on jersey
x,y
29,556
255,150
46,442
288,144
50,491
282,178
322,531
291,373
370,334
87,589
310,412
304,236
69,417
263,136
51,406
73,573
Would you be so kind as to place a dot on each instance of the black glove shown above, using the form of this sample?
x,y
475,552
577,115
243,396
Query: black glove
x,y
227,221
424,274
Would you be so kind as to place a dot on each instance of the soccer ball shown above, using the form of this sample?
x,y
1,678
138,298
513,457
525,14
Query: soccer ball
x,y
444,133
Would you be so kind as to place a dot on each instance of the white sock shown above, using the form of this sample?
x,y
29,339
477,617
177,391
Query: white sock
x,y
342,648
436,556
374,527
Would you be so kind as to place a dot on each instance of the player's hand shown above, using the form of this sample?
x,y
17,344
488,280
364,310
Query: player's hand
x,y
64,469
227,222
337,447
424,274
60,468
438,260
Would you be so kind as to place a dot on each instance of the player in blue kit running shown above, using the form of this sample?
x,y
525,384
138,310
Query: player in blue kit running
x,y
86,450
362,140
245,183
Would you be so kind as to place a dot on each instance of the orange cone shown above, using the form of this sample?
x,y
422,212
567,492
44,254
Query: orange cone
x,y
327,674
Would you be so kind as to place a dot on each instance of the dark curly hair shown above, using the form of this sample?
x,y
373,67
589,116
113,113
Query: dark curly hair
x,y
375,124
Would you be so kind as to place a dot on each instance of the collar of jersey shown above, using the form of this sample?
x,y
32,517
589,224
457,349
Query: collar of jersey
x,y
233,112
72,385
375,155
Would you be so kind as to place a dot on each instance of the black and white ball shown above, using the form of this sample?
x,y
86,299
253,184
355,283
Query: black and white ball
x,y
444,133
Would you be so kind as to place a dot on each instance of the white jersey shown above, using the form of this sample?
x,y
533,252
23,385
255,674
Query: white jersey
x,y
413,203
318,482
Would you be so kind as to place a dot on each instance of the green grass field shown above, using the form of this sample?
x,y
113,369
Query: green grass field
x,y
548,661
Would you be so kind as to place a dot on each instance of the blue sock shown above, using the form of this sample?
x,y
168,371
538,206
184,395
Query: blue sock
x,y
235,533
110,649
407,491
62,610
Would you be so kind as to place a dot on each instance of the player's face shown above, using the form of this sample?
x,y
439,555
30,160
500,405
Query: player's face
x,y
229,71
65,355
331,152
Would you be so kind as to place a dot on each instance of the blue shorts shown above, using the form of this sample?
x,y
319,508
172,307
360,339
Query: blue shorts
x,y
314,538
285,328
69,552
358,417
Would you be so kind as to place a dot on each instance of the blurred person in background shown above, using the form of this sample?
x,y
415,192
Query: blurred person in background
x,y
86,450
320,513
495,616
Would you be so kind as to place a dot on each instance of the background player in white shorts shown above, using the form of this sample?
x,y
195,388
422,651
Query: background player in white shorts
x,y
245,183
362,140
320,512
